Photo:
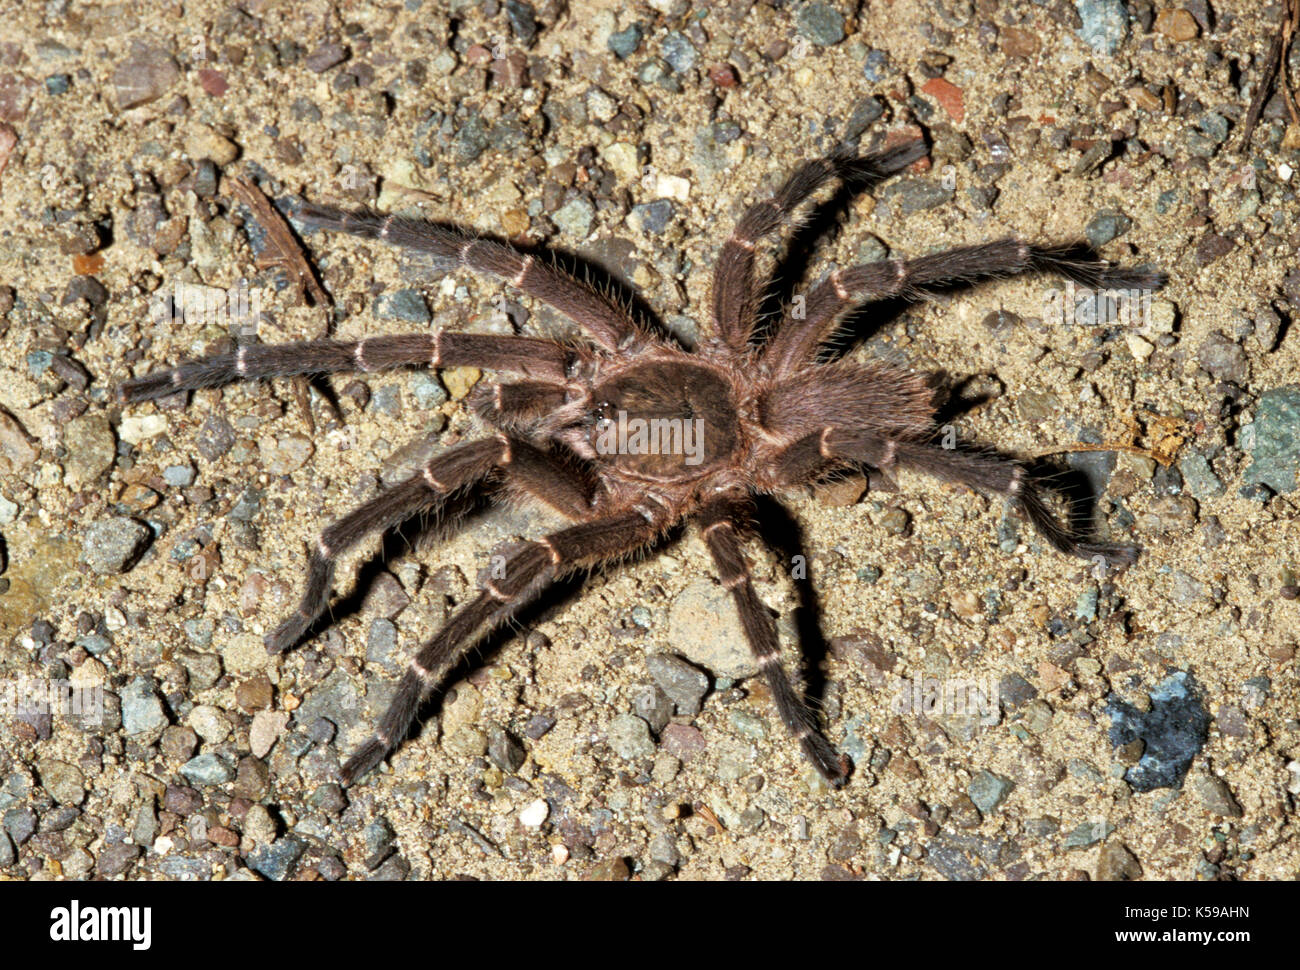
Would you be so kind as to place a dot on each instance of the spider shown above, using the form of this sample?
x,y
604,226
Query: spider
x,y
747,413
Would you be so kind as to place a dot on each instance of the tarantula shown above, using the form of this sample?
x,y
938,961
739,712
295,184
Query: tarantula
x,y
745,414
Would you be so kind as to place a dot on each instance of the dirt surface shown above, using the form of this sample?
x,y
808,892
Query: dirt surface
x,y
199,513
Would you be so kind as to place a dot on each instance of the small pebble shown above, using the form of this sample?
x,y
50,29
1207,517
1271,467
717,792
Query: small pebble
x,y
535,814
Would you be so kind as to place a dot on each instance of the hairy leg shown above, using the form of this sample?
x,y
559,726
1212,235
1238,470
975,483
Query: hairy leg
x,y
603,318
721,522
796,342
442,348
735,290
988,473
525,575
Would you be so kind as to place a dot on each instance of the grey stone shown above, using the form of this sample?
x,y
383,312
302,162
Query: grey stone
x,y
820,23
576,216
142,711
1087,833
684,684
506,752
988,791
915,194
629,736
112,545
704,626
1200,477
679,52
207,769
405,305
1173,732
653,217
1106,225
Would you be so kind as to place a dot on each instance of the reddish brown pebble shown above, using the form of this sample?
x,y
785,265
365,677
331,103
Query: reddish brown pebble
x,y
724,76
88,265
948,95
214,82
477,55
1177,24
219,835
8,139
1019,43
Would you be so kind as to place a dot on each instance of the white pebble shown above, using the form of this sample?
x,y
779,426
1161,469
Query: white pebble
x,y
134,430
673,187
535,814
1284,172
1139,348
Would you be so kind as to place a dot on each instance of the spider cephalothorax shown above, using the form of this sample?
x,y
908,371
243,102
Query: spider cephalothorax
x,y
629,434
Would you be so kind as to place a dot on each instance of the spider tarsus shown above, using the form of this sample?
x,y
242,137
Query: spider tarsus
x,y
285,635
146,388
854,168
832,765
1116,555
366,758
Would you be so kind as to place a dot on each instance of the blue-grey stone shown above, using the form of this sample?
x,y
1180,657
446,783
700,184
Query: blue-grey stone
x,y
470,140
679,52
379,839
1105,24
427,391
112,545
1085,605
624,43
1087,833
179,476
684,684
1173,732
406,305
94,644
1275,454
916,194
820,23
207,769
876,65
38,361
276,861
1105,226
653,217
20,823
199,630
988,790
864,114
575,217
629,736
1215,126
142,711
523,21
381,642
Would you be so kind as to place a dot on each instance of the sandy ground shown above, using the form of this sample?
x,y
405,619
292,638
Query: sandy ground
x,y
950,589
